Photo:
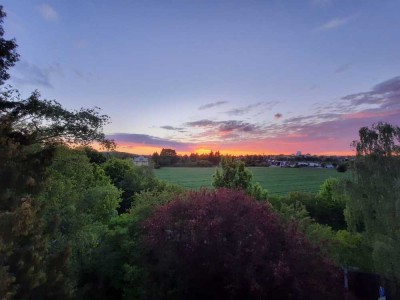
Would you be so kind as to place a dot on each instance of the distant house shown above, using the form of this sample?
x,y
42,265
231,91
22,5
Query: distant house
x,y
314,165
141,161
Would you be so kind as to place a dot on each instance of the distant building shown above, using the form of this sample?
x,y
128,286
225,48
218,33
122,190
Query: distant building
x,y
298,153
314,165
141,161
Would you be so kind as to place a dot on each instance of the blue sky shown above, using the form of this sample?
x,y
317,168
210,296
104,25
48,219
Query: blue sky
x,y
240,76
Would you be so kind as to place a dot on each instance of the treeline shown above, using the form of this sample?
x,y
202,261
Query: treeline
x,y
169,158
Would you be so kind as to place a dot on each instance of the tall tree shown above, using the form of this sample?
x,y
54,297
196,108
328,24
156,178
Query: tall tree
x,y
30,129
168,157
380,140
373,207
233,174
8,53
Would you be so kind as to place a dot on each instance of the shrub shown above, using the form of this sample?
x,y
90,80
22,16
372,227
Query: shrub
x,y
342,168
225,245
326,207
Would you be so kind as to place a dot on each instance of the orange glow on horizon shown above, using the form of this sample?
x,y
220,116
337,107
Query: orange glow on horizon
x,y
202,151
149,150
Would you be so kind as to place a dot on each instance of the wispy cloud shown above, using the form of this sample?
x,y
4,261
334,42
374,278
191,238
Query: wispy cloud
x,y
210,105
233,125
143,139
343,68
385,95
31,74
82,75
201,123
243,110
334,23
48,12
224,130
229,125
173,128
259,106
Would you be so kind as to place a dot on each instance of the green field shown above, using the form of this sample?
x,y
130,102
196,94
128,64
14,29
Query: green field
x,y
278,181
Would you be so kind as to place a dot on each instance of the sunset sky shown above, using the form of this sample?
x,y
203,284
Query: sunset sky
x,y
272,76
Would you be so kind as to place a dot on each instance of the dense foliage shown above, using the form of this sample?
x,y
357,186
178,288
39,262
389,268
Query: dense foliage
x,y
30,130
117,270
129,178
374,196
325,207
225,245
234,175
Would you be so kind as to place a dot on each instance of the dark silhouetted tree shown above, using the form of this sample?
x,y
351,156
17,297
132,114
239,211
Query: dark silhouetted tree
x,y
8,53
168,157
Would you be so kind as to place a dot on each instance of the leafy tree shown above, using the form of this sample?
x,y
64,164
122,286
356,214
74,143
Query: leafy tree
x,y
168,152
95,156
233,174
168,157
38,121
326,207
79,201
25,156
374,196
156,159
381,140
8,53
116,270
225,245
129,178
345,248
331,202
29,130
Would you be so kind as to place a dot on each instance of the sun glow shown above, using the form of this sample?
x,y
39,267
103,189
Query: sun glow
x,y
202,151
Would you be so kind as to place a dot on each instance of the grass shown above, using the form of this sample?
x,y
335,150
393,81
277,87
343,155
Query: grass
x,y
278,181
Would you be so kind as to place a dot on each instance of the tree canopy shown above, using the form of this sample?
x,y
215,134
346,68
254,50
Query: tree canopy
x,y
30,131
374,195
225,245
381,139
8,53
233,174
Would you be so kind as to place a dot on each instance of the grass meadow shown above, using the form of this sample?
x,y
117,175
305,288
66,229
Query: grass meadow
x,y
278,181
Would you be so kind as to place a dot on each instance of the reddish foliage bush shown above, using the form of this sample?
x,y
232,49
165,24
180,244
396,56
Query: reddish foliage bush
x,y
225,245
